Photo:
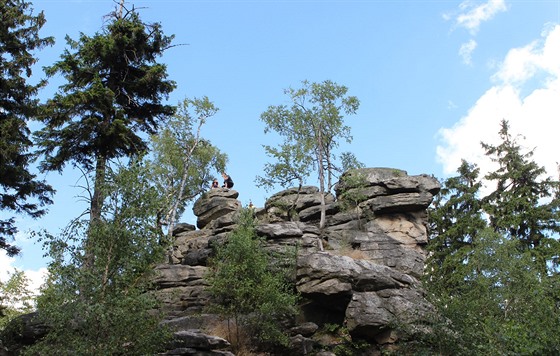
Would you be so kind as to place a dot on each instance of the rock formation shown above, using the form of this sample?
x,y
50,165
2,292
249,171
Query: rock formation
x,y
366,278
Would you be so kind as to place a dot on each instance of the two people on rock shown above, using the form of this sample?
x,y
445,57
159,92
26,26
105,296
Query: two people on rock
x,y
228,182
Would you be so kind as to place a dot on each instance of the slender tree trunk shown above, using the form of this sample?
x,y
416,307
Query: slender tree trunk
x,y
186,164
121,6
292,208
178,200
96,204
329,168
96,207
322,193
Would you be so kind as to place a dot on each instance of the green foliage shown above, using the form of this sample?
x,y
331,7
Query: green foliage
x,y
349,161
113,93
502,306
15,297
456,219
105,308
20,192
352,194
248,288
492,270
114,324
344,345
292,165
114,89
525,205
182,161
311,128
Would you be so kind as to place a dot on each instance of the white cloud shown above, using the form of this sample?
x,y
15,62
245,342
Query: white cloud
x,y
473,15
466,51
5,266
526,93
470,16
36,279
522,64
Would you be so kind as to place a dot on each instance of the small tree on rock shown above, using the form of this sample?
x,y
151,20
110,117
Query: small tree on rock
x,y
182,160
311,127
247,289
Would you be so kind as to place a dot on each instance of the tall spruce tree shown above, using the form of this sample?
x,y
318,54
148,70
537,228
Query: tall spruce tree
x,y
524,204
114,92
20,190
456,218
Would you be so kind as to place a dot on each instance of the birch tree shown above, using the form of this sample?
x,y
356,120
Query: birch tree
x,y
183,160
314,123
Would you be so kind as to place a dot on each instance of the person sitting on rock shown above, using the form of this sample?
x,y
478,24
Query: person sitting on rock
x,y
215,184
228,182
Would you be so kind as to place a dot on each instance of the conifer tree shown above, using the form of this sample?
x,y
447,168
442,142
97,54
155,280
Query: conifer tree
x,y
498,286
456,218
114,91
524,205
20,190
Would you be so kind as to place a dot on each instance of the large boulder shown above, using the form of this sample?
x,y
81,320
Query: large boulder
x,y
181,289
382,213
216,204
195,342
373,297
372,313
24,330
283,229
290,203
325,273
192,247
382,181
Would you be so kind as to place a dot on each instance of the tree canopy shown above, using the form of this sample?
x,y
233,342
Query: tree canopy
x,y
20,190
493,269
106,309
182,161
311,126
114,91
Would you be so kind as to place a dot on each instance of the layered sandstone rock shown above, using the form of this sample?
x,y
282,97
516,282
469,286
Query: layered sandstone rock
x,y
367,274
366,278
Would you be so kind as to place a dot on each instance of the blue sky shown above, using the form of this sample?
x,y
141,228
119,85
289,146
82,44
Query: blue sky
x,y
434,79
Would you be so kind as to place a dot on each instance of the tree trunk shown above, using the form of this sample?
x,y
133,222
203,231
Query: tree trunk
x,y
96,207
96,204
186,165
322,193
